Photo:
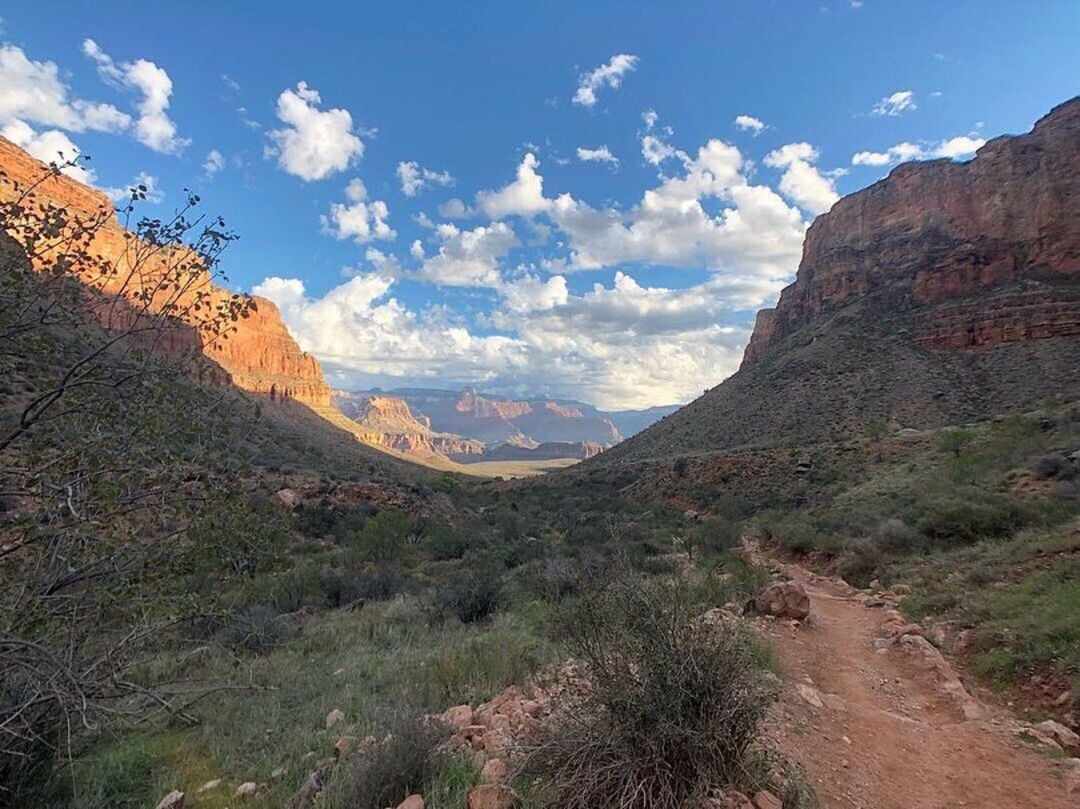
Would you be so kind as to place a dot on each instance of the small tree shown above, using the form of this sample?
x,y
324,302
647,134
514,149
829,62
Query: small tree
x,y
105,455
955,440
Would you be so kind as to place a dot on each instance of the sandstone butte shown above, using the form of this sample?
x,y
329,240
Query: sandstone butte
x,y
387,421
1005,225
259,355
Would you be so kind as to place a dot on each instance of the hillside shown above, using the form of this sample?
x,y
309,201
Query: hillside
x,y
943,293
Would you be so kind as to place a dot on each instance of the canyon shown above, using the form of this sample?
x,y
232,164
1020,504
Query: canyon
x,y
943,293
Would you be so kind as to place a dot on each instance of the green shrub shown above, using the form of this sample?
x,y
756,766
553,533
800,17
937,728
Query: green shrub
x,y
384,537
951,521
671,708
714,536
373,583
405,762
859,562
472,596
256,629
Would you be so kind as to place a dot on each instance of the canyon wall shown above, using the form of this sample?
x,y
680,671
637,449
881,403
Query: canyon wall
x,y
256,353
978,251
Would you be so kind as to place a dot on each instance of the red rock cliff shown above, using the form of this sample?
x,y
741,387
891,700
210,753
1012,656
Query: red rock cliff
x,y
1005,225
259,355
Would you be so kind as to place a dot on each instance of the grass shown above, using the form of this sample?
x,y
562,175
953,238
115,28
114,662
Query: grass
x,y
381,659
1021,596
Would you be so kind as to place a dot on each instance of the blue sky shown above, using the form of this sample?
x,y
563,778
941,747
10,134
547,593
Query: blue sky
x,y
558,270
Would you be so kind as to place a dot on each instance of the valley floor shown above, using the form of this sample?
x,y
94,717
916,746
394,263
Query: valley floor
x,y
886,734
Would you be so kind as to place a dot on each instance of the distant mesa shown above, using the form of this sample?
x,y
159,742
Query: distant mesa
x,y
469,427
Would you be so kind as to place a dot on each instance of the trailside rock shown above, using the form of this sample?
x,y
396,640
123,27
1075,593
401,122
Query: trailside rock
x,y
174,800
783,599
246,790
490,796
335,717
412,802
1059,733
494,772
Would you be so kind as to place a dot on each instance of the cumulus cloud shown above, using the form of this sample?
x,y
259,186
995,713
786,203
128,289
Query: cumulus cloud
x,y
896,104
153,128
607,75
523,197
601,154
359,219
649,118
961,146
33,92
749,123
624,345
147,185
414,178
51,146
455,209
755,231
215,162
314,143
468,258
655,150
801,182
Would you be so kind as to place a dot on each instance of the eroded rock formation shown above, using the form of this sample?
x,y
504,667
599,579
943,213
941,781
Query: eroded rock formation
x,y
984,252
257,353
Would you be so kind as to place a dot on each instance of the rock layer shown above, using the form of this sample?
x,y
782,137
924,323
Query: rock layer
x,y
940,232
257,355
947,292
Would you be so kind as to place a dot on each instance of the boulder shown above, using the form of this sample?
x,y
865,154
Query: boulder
x,y
783,599
490,796
458,717
1059,733
209,785
174,800
344,746
246,790
810,695
335,717
287,497
412,802
494,771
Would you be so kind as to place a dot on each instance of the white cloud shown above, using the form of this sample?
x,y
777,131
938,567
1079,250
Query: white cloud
x,y
755,232
749,123
961,146
649,117
801,182
51,146
896,104
414,178
620,346
601,154
153,128
455,209
523,197
33,92
609,74
215,162
146,183
360,219
469,258
655,150
314,143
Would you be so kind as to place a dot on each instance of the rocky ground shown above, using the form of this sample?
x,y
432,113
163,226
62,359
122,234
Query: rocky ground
x,y
880,720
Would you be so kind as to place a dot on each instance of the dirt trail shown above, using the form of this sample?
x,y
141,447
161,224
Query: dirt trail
x,y
887,735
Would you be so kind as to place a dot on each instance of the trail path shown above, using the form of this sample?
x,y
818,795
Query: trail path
x,y
890,731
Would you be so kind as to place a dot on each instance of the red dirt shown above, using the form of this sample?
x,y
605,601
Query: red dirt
x,y
894,740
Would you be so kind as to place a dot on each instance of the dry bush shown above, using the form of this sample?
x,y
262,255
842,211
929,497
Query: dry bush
x,y
670,709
